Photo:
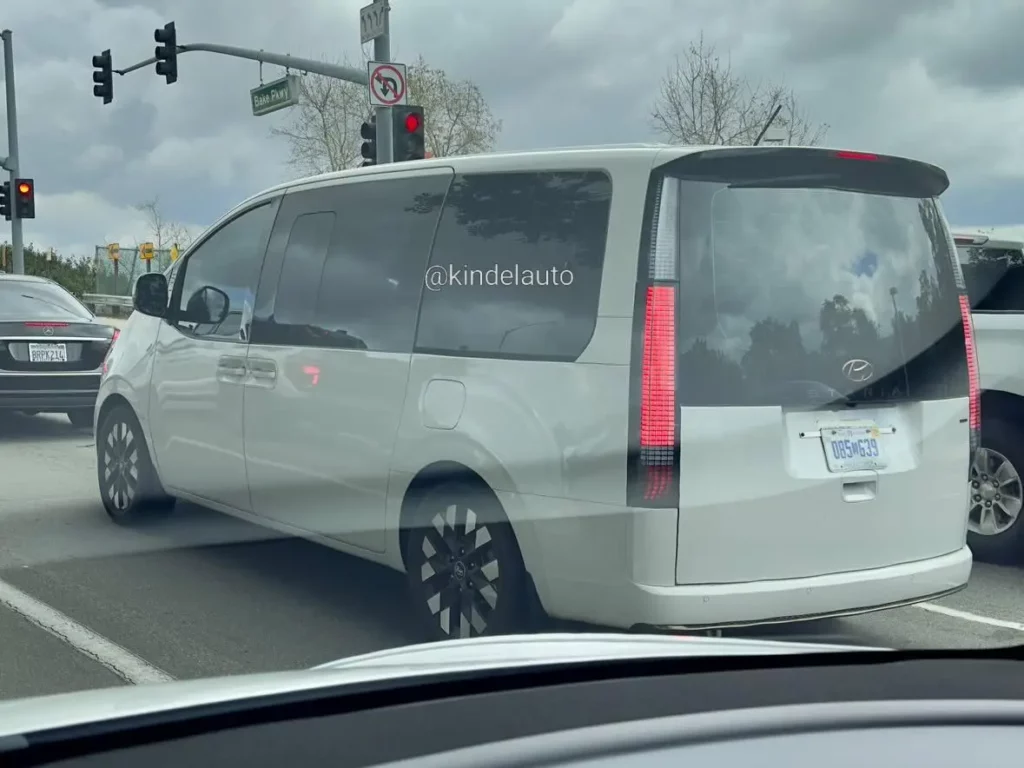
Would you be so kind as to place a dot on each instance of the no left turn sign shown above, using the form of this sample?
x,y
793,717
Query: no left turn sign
x,y
387,86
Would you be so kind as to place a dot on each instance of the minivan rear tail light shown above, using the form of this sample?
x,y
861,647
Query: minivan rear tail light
x,y
973,378
658,392
653,471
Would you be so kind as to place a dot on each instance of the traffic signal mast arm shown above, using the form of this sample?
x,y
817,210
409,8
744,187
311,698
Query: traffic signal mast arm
x,y
336,71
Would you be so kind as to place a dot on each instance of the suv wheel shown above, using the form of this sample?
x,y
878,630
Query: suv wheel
x,y
995,532
130,490
465,572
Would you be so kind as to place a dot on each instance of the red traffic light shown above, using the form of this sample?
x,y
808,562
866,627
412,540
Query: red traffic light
x,y
24,188
413,122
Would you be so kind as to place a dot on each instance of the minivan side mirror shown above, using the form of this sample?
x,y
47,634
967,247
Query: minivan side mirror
x,y
150,295
207,306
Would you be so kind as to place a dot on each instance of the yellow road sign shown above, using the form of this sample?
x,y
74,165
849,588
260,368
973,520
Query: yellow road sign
x,y
114,251
146,251
174,252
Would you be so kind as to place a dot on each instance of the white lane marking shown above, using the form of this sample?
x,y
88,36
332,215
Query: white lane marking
x,y
118,660
976,618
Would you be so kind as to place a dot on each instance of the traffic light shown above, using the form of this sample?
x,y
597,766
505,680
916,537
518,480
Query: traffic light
x,y
368,131
408,133
167,53
25,198
5,200
103,77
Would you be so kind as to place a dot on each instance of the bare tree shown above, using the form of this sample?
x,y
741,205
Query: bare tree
x,y
459,120
164,231
324,132
703,101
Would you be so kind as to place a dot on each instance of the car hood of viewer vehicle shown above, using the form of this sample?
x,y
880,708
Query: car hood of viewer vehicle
x,y
23,716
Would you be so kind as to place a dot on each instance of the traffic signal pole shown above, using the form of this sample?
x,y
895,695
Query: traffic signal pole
x,y
11,162
385,134
336,71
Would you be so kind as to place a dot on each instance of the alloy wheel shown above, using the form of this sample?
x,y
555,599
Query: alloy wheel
x,y
121,465
460,572
997,494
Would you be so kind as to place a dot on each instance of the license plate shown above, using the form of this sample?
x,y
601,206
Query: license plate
x,y
47,353
848,449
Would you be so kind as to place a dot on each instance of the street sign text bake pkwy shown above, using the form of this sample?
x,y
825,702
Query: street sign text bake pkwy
x,y
373,21
271,97
388,85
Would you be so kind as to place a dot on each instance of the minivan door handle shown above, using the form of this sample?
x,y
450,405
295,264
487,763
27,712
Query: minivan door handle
x,y
262,369
231,368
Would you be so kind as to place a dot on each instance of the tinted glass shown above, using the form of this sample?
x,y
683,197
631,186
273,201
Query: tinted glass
x,y
994,277
229,261
781,288
303,267
373,275
516,266
31,300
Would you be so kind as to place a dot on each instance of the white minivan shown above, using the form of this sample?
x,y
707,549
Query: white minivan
x,y
647,386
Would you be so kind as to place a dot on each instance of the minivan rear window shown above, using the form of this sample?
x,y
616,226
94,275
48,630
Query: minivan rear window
x,y
802,294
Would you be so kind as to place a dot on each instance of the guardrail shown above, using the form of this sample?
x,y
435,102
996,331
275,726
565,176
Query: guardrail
x,y
98,302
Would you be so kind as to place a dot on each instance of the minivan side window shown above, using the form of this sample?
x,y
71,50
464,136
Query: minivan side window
x,y
229,261
304,257
994,277
515,271
353,263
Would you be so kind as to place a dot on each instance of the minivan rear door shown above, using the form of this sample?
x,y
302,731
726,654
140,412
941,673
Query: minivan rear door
x,y
822,377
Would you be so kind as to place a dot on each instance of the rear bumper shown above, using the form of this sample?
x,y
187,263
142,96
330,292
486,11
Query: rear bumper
x,y
715,606
57,392
616,568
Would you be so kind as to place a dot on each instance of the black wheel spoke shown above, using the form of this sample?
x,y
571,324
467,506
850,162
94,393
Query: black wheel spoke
x,y
438,542
449,606
482,552
469,618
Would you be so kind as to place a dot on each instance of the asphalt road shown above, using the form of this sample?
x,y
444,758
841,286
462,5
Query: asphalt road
x,y
84,603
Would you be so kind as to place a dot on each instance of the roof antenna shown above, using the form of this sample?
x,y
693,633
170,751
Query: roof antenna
x,y
768,125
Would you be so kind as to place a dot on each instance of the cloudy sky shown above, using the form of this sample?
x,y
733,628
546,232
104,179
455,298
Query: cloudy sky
x,y
932,79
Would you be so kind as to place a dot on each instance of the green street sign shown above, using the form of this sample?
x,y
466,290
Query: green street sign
x,y
274,96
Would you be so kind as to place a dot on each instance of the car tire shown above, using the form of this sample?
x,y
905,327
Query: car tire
x,y
81,418
463,565
995,531
129,487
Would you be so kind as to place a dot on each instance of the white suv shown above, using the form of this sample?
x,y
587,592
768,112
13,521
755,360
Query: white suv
x,y
994,270
636,386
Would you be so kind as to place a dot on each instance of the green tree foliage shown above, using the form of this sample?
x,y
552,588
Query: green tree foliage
x,y
77,274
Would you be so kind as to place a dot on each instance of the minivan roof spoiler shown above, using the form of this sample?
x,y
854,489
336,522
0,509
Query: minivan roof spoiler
x,y
847,170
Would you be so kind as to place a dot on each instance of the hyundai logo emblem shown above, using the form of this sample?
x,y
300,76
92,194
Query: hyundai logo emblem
x,y
48,331
858,371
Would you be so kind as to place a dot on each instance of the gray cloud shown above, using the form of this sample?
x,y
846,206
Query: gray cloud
x,y
913,77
